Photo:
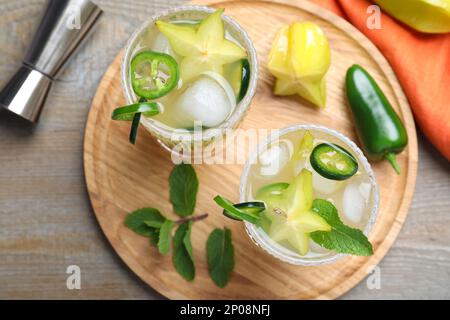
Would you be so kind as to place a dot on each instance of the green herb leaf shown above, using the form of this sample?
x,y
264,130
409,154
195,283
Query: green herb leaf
x,y
165,236
187,240
341,238
183,189
136,221
233,212
220,256
154,224
154,236
181,258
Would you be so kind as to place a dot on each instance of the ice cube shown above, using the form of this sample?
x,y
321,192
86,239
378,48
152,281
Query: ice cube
x,y
353,203
365,189
206,101
324,185
275,158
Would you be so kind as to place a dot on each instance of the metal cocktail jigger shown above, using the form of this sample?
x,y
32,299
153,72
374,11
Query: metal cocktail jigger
x,y
65,24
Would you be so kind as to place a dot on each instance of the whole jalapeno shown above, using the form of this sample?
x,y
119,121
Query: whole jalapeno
x,y
379,128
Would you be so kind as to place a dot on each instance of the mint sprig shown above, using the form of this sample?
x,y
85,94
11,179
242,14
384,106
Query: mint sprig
x,y
149,222
220,256
183,184
341,238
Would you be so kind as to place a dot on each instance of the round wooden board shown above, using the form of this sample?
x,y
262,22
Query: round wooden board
x,y
121,177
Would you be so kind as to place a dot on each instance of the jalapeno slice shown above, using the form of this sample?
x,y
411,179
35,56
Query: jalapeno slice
x,y
248,211
133,113
153,74
333,162
134,127
249,208
127,113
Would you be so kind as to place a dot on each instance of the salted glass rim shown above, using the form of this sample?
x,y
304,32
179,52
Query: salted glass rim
x,y
261,239
167,132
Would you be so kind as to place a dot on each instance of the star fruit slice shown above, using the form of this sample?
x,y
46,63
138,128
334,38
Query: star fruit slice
x,y
296,232
290,215
202,49
298,196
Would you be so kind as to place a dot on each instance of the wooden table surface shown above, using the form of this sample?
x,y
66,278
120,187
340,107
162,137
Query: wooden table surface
x,y
47,224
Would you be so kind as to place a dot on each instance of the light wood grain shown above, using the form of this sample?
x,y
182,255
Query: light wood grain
x,y
122,177
46,222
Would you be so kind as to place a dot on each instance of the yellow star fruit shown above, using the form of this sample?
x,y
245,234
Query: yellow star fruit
x,y
299,59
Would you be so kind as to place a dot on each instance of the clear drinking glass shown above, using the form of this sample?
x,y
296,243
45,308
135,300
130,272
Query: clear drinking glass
x,y
170,137
262,239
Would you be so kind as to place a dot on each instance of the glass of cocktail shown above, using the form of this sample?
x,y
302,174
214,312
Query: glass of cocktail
x,y
199,66
296,165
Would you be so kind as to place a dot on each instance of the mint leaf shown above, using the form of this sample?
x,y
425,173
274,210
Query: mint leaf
x,y
136,221
341,238
154,236
220,256
183,184
165,236
187,241
154,224
181,258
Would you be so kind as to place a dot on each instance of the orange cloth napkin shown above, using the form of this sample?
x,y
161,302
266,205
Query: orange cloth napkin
x,y
421,62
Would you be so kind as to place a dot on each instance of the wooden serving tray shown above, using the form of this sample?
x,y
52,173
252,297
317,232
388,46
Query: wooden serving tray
x,y
121,177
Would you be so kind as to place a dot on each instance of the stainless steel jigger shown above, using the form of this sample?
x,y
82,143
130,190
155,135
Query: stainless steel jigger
x,y
63,27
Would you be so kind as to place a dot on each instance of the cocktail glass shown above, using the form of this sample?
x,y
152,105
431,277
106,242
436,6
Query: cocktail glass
x,y
251,174
171,138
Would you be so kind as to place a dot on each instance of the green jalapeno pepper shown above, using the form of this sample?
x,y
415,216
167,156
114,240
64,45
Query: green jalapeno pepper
x,y
379,128
333,162
153,74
